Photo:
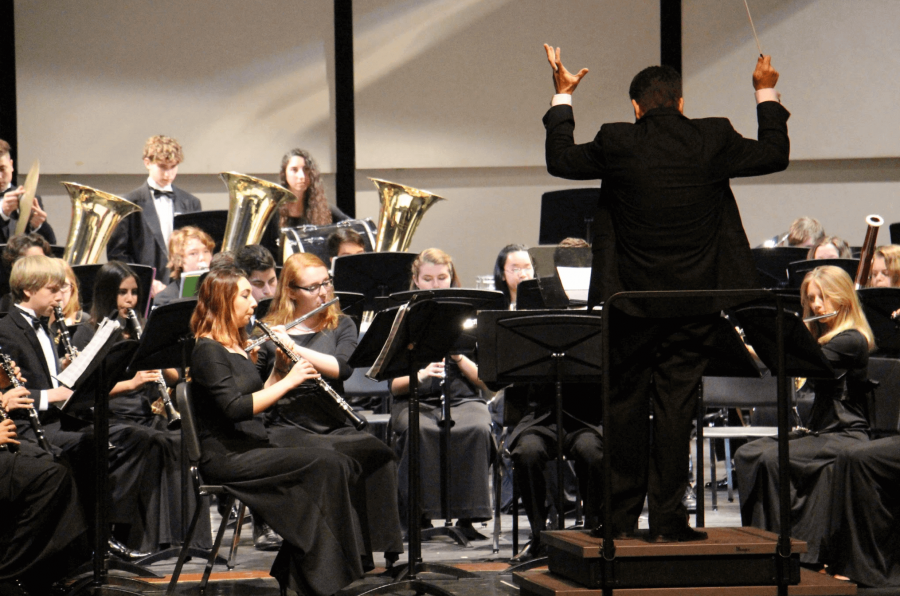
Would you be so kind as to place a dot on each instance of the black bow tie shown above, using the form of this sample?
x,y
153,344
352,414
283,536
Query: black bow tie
x,y
40,322
163,193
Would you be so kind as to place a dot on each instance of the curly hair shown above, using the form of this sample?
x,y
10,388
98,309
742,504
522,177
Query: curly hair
x,y
315,206
160,149
176,246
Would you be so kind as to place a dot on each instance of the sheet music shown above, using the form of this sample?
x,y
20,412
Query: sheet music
x,y
576,281
76,369
390,347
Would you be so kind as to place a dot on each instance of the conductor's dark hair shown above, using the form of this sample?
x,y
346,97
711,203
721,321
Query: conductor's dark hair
x,y
500,265
656,87
254,257
106,289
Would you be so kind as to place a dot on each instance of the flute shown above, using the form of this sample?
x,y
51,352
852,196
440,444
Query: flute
x,y
260,341
819,317
6,363
359,422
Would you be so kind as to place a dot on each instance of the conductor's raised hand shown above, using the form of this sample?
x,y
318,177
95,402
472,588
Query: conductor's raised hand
x,y
764,77
563,80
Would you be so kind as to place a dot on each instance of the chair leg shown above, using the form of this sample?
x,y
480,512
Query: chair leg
x,y
202,505
498,496
515,511
712,474
242,510
729,473
217,544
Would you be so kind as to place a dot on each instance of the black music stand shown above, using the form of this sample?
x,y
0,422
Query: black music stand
x,y
532,346
879,304
568,212
212,222
262,308
421,332
772,263
99,383
798,269
166,336
373,274
351,305
478,300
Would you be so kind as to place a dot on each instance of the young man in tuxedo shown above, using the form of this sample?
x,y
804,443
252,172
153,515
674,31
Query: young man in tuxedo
x,y
143,237
666,220
9,203
135,460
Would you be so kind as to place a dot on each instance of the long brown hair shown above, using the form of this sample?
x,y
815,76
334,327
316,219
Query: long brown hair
x,y
214,315
315,206
283,308
433,256
837,286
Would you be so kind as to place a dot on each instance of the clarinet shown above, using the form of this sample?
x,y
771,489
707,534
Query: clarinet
x,y
11,447
6,363
64,337
174,418
359,422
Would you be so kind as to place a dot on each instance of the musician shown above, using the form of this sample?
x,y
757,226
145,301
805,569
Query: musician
x,y
143,237
885,267
830,247
300,174
471,442
19,246
344,242
36,284
9,204
837,421
863,535
513,266
190,249
666,220
258,265
804,232
71,310
303,493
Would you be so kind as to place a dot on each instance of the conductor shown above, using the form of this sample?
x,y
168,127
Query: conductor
x,y
666,220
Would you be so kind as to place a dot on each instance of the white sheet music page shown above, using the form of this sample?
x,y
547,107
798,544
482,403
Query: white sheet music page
x,y
74,371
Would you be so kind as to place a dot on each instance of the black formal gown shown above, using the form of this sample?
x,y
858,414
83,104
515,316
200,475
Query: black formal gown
x,y
44,522
864,530
471,447
309,417
837,425
304,494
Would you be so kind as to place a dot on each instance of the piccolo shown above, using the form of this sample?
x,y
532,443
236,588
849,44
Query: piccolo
x,y
64,337
819,317
260,341
359,422
6,363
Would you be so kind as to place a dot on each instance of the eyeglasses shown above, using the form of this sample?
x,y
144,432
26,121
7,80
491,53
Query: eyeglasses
x,y
313,288
518,270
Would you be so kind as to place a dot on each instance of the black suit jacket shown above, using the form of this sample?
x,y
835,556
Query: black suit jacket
x,y
8,228
667,218
138,238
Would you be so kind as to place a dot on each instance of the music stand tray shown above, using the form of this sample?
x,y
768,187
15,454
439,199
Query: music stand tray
x,y
373,274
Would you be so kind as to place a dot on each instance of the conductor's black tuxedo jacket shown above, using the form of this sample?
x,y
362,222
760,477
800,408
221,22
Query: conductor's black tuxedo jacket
x,y
139,239
667,219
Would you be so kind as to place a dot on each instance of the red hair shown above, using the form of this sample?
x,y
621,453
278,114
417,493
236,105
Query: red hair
x,y
214,315
283,307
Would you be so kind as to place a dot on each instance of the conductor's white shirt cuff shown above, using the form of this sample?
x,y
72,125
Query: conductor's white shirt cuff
x,y
561,99
769,94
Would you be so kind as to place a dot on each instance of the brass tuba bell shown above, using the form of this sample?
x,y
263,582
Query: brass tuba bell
x,y
252,204
94,216
402,208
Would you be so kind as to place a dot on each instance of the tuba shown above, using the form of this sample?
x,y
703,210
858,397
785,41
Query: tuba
x,y
252,204
402,208
94,216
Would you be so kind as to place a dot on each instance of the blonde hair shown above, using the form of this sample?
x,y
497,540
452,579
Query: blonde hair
x,y
73,306
837,287
803,229
163,150
33,273
283,307
433,256
176,246
891,255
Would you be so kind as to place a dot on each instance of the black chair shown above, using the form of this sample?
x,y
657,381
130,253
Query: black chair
x,y
203,492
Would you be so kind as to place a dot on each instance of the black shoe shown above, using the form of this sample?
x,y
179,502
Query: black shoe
x,y
686,534
265,538
123,552
689,500
465,526
721,484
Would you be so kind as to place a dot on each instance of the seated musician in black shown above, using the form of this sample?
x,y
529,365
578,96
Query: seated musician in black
x,y
309,417
190,249
43,536
36,283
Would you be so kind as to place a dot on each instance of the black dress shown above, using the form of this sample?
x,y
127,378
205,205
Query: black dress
x,y
308,417
864,530
303,494
837,424
471,447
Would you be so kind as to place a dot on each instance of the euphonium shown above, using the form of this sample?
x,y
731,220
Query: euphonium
x,y
252,204
402,208
867,254
94,216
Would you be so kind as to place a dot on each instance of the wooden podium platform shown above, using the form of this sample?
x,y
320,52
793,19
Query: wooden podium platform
x,y
545,583
736,557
